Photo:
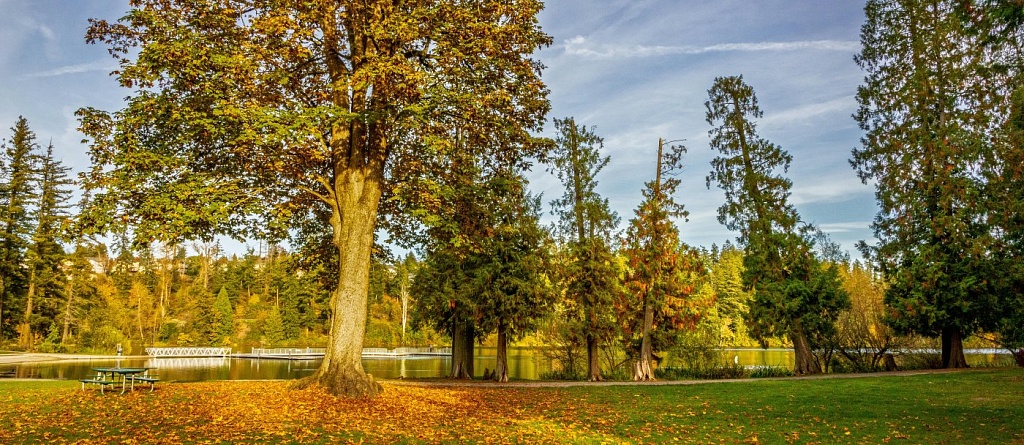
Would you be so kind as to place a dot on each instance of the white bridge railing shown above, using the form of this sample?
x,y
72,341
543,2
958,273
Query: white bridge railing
x,y
371,352
188,351
288,351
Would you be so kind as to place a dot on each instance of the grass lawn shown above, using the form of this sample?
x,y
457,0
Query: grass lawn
x,y
977,406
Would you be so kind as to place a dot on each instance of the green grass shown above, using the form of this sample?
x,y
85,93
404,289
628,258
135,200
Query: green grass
x,y
983,406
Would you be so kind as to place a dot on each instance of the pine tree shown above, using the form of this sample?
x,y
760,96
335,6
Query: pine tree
x,y
17,193
589,275
795,295
224,317
45,255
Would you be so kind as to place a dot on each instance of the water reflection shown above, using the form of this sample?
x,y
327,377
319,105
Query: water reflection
x,y
524,364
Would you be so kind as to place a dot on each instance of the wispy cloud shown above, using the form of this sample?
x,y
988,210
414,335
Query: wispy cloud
x,y
845,105
845,227
579,46
103,65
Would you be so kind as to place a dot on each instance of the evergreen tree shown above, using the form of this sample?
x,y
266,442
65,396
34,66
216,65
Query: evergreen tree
x,y
224,318
445,298
795,295
45,255
589,276
663,273
509,272
925,111
18,191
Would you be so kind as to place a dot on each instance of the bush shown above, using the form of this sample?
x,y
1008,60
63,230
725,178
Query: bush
x,y
920,360
561,374
762,372
718,372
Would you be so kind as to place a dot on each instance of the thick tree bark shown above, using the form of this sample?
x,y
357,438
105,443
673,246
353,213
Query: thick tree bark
x,y
803,362
462,351
953,349
26,322
593,366
501,368
644,368
354,219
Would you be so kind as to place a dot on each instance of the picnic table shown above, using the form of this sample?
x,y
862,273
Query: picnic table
x,y
124,376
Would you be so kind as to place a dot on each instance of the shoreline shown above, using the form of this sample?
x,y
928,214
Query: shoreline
x,y
18,358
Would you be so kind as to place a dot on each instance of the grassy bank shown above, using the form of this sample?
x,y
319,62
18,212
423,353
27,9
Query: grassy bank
x,y
981,406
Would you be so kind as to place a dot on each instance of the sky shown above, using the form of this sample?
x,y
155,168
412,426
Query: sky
x,y
634,70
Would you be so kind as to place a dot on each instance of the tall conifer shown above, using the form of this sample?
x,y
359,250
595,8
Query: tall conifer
x,y
926,111
795,295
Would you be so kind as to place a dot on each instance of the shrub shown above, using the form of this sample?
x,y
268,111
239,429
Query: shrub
x,y
762,372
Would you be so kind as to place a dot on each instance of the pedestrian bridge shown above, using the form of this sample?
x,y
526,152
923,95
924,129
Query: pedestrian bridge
x,y
188,351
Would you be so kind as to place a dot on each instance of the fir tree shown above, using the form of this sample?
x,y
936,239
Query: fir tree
x,y
18,191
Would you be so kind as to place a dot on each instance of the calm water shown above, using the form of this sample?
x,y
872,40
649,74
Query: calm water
x,y
524,363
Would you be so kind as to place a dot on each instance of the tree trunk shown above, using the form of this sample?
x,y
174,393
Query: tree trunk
x,y
501,368
953,349
803,361
67,313
3,298
26,323
1019,356
644,369
353,219
463,334
593,366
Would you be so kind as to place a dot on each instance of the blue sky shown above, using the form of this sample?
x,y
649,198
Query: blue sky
x,y
636,70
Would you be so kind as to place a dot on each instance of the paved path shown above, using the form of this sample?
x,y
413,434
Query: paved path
x,y
566,384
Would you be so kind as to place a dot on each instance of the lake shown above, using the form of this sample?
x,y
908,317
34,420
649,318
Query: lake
x,y
524,363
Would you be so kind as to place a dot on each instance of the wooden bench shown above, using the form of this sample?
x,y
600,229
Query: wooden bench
x,y
98,381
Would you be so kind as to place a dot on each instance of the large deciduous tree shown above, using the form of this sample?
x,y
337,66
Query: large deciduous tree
x,y
795,294
925,110
589,274
248,115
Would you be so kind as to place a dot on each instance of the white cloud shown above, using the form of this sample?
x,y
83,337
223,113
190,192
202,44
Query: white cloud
x,y
846,105
845,227
579,46
104,65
